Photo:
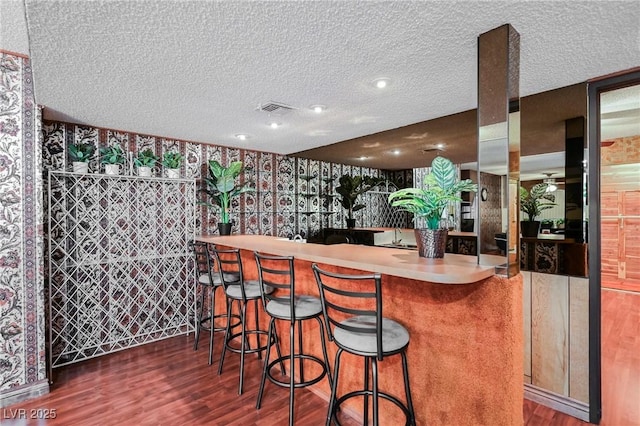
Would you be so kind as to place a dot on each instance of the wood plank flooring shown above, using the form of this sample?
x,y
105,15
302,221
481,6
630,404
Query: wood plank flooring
x,y
167,383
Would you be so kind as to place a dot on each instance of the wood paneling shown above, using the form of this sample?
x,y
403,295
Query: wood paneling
x,y
526,311
549,335
620,209
579,339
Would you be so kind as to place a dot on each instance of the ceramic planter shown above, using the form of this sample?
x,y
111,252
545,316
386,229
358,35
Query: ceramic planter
x,y
431,242
144,171
530,228
173,173
80,167
112,169
224,228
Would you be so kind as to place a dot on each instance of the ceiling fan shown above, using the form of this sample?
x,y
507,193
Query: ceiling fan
x,y
552,183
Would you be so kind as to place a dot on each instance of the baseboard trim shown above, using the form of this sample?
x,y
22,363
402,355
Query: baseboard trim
x,y
23,393
560,403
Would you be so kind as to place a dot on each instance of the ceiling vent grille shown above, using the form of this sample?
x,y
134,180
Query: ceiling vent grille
x,y
275,108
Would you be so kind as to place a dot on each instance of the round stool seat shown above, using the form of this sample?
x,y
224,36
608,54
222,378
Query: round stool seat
x,y
251,290
204,278
394,336
304,306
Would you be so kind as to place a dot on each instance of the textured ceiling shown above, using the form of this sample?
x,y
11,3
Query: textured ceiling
x,y
197,70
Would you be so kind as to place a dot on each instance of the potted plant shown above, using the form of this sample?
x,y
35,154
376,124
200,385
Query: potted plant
x,y
145,161
112,157
350,188
80,155
442,187
171,162
222,187
532,203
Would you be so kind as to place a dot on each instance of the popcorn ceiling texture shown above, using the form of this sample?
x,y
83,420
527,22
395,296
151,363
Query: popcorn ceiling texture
x,y
198,70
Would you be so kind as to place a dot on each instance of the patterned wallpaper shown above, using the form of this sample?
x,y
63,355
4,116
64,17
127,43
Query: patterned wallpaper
x,y
491,212
22,331
292,195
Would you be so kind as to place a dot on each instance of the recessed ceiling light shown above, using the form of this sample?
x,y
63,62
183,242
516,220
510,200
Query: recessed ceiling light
x,y
242,136
440,146
318,108
274,125
363,157
396,152
381,83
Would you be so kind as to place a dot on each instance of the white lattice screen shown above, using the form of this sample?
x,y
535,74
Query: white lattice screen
x,y
120,270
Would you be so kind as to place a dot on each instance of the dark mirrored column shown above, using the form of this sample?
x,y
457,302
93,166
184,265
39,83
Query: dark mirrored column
x,y
499,148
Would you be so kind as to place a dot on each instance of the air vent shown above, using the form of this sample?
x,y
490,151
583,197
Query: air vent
x,y
275,108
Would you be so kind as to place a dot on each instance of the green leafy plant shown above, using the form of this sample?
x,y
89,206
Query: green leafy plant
x,y
222,186
112,155
533,202
146,158
442,187
81,152
351,187
172,160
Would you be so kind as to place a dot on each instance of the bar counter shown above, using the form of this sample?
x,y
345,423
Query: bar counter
x,y
466,349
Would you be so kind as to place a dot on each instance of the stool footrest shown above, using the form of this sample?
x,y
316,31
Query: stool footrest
x,y
363,392
221,328
247,350
298,357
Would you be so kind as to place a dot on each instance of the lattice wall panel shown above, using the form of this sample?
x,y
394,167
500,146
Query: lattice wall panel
x,y
120,268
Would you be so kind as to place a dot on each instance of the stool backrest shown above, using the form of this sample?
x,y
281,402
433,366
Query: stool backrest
x,y
230,265
277,272
204,264
345,295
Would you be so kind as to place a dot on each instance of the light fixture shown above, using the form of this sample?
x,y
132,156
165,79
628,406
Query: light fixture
x,y
396,152
363,157
440,146
551,183
242,136
274,125
318,108
381,83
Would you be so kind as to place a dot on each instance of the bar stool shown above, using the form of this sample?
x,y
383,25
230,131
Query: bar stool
x,y
208,282
241,291
364,332
284,304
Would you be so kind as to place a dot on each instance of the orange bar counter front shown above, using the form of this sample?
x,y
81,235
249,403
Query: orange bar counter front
x,y
466,349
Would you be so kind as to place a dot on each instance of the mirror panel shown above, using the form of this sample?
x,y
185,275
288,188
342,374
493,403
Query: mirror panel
x,y
498,165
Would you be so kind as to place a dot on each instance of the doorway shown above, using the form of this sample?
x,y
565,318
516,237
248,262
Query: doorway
x,y
614,258
620,188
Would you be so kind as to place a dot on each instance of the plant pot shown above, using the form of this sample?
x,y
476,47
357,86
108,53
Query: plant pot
x,y
173,174
431,242
144,171
80,167
529,228
351,223
112,169
224,228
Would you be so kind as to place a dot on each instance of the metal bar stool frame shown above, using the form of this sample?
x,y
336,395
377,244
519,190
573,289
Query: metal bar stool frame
x,y
284,304
208,279
346,325
242,292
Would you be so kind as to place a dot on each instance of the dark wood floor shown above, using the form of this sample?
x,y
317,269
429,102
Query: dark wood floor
x,y
167,383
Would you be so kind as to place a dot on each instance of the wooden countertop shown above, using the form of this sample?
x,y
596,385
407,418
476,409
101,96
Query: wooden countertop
x,y
453,269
